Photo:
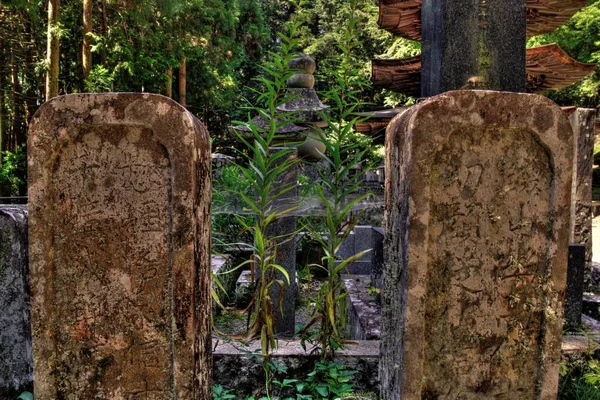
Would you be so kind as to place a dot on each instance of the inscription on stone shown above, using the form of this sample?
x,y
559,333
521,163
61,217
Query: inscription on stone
x,y
118,288
477,226
114,204
487,260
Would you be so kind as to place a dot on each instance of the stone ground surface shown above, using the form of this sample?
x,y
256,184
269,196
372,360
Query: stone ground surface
x,y
233,322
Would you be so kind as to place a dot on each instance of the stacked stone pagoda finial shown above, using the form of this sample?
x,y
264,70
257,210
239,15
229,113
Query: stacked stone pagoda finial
x,y
305,106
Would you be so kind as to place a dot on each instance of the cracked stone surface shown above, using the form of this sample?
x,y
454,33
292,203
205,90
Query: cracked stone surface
x,y
119,234
477,228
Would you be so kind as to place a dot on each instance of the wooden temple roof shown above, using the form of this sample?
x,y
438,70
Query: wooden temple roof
x,y
377,123
548,67
403,17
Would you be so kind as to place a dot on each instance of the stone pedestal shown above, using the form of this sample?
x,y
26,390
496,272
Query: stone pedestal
x,y
119,247
583,124
473,44
478,189
16,362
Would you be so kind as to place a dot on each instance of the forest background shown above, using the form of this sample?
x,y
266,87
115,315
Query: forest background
x,y
205,54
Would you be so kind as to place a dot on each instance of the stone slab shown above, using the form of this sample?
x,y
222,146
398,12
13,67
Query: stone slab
x,y
244,290
377,257
363,312
16,361
478,187
583,124
591,306
473,44
574,290
119,246
363,237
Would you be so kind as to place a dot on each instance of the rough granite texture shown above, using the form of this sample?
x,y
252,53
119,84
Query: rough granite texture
x,y
574,289
583,124
16,363
478,188
475,44
363,312
119,247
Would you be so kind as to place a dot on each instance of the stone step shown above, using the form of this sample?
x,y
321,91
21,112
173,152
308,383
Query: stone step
x,y
591,306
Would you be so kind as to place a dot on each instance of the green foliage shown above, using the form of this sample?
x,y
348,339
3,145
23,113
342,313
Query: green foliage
x,y
321,37
13,173
579,38
99,80
580,379
25,396
220,393
263,169
327,380
228,227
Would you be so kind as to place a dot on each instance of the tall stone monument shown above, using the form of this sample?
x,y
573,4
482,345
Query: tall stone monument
x,y
478,188
16,365
119,245
583,124
476,44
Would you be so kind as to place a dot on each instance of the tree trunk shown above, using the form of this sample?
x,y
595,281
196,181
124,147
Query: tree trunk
x,y
30,94
2,94
104,28
182,81
17,106
205,117
86,51
53,49
169,72
169,83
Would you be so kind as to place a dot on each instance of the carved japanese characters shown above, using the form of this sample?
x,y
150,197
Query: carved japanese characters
x,y
119,196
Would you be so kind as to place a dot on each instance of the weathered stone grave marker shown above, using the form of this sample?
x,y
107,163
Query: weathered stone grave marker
x,y
119,233
582,121
477,227
16,372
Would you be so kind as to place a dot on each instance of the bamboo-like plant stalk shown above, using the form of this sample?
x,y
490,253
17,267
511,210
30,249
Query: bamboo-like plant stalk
x,y
264,169
339,190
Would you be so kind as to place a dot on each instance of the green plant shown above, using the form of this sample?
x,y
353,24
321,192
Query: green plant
x,y
580,375
374,292
264,169
339,190
13,172
228,225
25,396
596,155
327,380
220,393
306,188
